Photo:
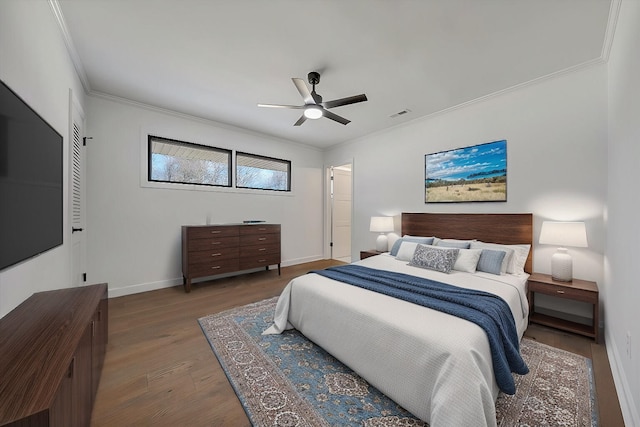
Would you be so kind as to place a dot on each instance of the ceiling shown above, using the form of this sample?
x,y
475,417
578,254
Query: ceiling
x,y
217,59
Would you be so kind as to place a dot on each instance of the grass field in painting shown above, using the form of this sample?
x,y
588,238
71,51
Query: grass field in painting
x,y
468,192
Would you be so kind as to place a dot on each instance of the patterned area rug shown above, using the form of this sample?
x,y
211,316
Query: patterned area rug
x,y
286,380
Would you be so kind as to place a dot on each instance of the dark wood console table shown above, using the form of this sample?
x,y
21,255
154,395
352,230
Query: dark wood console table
x,y
52,349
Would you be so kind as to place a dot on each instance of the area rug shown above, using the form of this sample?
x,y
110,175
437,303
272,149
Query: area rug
x,y
286,380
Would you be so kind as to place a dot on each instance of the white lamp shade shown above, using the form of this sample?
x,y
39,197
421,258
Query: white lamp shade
x,y
381,224
563,234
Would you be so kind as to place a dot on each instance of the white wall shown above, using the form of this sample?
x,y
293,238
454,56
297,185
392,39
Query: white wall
x,y
556,134
34,63
134,230
622,290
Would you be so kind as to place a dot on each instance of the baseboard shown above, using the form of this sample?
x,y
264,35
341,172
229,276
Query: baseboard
x,y
296,261
143,287
627,403
153,286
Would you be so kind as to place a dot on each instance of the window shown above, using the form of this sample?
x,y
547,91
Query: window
x,y
187,163
263,173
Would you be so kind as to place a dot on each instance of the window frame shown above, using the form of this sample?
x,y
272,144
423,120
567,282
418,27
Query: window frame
x,y
228,152
267,158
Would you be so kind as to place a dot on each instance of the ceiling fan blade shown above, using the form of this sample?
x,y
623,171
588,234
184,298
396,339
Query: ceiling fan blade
x,y
304,90
345,101
335,117
301,120
295,107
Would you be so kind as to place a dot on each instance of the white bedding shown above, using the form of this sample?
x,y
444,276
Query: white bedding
x,y
435,365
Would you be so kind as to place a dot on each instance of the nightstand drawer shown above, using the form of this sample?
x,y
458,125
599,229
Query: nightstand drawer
x,y
564,291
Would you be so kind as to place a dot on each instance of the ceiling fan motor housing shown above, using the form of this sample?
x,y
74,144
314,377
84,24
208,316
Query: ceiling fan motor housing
x,y
314,78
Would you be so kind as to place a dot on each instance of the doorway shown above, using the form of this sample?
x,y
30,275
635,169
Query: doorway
x,y
340,192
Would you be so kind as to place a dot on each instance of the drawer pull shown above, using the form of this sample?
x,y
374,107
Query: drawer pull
x,y
218,254
262,229
262,249
215,267
216,231
261,260
216,243
560,291
262,238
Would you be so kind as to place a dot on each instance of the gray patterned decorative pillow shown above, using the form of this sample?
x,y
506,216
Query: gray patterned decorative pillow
x,y
433,258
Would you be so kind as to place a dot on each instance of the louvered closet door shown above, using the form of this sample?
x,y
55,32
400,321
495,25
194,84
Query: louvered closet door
x,y
77,194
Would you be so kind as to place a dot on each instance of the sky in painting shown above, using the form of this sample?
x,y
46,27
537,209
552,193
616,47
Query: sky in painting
x,y
460,163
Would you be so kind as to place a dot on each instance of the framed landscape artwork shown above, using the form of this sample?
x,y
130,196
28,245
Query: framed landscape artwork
x,y
471,174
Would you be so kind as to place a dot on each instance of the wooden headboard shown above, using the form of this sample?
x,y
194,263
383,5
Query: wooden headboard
x,y
508,229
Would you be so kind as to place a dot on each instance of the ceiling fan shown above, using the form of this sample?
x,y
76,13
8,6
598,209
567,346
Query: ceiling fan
x,y
313,106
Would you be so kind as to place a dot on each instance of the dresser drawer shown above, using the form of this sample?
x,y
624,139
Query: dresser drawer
x,y
219,267
211,231
259,239
212,256
213,243
259,261
260,250
260,229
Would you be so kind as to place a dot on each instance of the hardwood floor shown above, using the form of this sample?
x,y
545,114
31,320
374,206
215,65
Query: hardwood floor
x,y
160,371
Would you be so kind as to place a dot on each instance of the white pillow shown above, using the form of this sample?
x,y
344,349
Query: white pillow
x,y
496,247
515,261
467,260
519,258
406,251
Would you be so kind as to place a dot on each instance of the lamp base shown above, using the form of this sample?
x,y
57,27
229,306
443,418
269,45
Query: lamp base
x,y
382,243
562,266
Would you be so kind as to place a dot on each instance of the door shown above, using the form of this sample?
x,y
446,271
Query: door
x,y
341,213
77,192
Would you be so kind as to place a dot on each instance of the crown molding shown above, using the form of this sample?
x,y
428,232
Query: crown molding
x,y
614,12
71,48
200,119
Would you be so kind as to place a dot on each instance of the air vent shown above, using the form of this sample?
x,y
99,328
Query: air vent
x,y
400,113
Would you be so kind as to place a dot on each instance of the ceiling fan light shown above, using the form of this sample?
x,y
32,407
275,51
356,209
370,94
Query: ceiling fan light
x,y
313,113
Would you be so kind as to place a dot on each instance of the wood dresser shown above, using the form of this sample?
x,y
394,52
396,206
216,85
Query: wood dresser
x,y
209,250
52,349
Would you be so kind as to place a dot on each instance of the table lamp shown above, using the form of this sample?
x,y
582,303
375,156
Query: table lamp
x,y
382,225
563,234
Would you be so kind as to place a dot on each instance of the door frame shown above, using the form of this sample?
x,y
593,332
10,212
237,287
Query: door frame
x,y
328,205
78,238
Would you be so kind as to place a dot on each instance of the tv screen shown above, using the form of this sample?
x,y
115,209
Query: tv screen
x,y
30,181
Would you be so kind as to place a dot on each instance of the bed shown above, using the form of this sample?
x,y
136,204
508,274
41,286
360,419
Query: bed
x,y
437,366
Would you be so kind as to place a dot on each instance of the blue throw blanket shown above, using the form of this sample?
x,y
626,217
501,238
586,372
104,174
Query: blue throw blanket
x,y
488,311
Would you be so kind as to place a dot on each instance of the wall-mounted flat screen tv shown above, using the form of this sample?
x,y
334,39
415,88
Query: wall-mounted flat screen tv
x,y
31,190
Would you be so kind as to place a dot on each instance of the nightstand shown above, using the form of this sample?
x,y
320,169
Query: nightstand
x,y
576,290
368,253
